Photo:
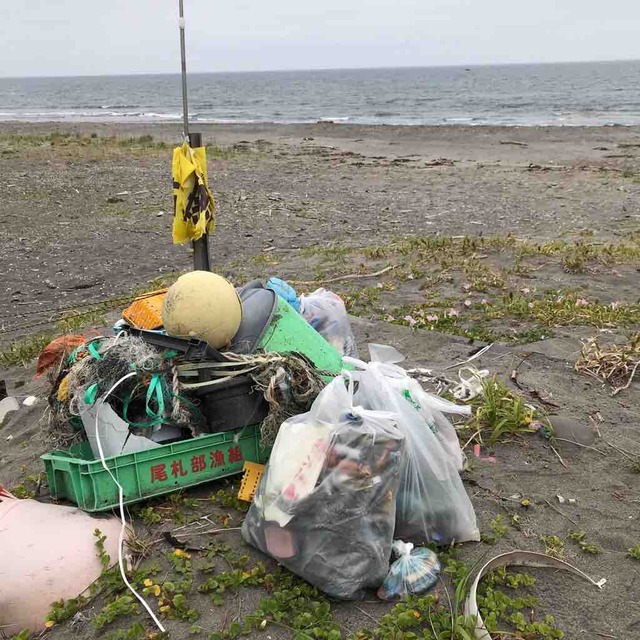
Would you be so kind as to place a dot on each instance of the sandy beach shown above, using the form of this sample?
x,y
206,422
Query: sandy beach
x,y
287,187
525,237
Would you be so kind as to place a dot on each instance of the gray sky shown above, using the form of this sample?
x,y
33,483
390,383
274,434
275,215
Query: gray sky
x,y
78,37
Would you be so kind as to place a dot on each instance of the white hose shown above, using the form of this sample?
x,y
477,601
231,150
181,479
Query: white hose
x,y
123,528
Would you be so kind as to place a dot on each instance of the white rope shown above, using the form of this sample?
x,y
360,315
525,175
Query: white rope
x,y
469,386
123,528
472,358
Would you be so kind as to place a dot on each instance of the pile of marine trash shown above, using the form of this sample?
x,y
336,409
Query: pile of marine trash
x,y
177,360
374,460
362,463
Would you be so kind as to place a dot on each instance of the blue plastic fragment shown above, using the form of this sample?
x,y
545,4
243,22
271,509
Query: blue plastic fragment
x,y
285,291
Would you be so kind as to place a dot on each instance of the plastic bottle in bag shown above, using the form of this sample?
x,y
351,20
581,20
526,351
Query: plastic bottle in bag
x,y
415,571
326,313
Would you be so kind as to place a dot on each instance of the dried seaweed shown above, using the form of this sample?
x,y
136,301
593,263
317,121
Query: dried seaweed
x,y
615,364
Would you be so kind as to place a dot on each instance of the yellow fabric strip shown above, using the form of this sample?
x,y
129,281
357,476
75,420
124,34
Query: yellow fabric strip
x,y
193,205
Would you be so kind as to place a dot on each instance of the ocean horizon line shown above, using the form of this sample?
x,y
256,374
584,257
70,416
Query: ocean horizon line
x,y
470,65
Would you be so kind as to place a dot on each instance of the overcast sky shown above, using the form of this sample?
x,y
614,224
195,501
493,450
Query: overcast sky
x,y
81,37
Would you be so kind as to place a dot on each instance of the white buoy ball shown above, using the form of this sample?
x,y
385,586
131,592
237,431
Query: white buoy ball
x,y
202,305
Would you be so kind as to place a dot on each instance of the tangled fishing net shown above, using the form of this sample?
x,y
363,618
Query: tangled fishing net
x,y
289,383
289,387
103,362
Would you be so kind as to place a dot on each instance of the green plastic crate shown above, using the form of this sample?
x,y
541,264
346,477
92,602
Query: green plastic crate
x,y
75,475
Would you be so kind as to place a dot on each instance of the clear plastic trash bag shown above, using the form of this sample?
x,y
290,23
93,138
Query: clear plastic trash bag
x,y
430,406
325,505
326,313
415,571
432,504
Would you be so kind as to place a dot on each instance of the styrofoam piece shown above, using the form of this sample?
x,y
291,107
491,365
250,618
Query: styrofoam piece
x,y
114,432
6,405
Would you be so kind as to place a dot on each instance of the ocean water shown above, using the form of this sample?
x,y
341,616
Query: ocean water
x,y
604,93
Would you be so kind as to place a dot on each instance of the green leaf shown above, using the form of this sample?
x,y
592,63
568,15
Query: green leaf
x,y
462,633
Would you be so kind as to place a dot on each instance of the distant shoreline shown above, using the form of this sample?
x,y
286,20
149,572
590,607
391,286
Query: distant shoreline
x,y
111,122
506,145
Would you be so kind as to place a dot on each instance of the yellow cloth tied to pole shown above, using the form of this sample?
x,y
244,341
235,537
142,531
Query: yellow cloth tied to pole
x,y
193,205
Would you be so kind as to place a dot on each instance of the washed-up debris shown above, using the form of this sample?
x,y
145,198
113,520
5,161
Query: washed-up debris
x,y
48,553
145,403
173,389
285,291
414,572
615,364
471,358
202,305
432,502
517,558
437,382
336,458
29,401
114,433
471,383
55,353
252,472
288,382
7,405
350,466
128,386
421,374
324,311
581,432
145,312
477,453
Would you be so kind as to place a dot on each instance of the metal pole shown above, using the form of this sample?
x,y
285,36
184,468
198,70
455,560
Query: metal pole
x,y
201,246
183,62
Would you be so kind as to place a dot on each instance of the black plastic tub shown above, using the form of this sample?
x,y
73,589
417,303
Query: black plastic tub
x,y
232,405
